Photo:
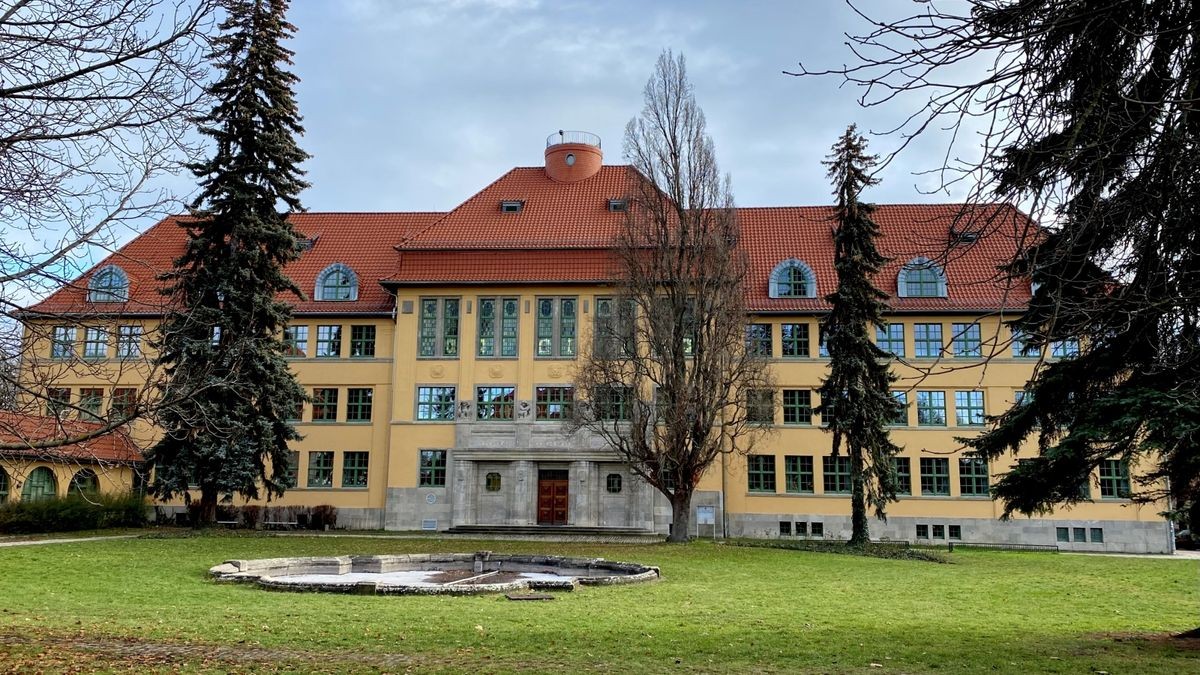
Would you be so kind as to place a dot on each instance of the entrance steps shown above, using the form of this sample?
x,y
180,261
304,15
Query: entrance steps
x,y
574,532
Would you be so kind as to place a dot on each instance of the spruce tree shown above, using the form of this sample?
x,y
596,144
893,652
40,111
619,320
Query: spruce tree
x,y
229,392
856,397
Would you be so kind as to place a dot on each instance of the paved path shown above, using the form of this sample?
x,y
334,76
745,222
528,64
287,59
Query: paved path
x,y
1178,555
66,540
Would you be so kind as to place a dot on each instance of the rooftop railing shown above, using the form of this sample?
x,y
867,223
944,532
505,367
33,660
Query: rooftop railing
x,y
560,137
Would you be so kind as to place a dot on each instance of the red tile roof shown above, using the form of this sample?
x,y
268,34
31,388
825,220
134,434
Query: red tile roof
x,y
111,447
504,266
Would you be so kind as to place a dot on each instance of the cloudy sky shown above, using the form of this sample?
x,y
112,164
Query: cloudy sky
x,y
417,104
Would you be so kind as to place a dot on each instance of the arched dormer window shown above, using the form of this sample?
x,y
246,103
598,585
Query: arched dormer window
x,y
793,279
109,284
921,278
337,283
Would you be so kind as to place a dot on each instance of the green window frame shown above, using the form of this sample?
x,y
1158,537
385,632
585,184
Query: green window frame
x,y
822,348
291,472
798,475
613,403
432,469
835,474
793,341
890,338
901,417
438,328
362,342
498,320
320,469
295,341
760,406
927,340
1097,535
358,404
935,476
797,406
613,328
1114,479
129,341
973,477
758,339
355,464
62,342
1021,348
553,403
557,321
966,340
5,486
1062,535
325,404
922,281
95,343
495,403
436,404
123,403
902,468
1064,349
85,482
931,408
969,409
39,485
58,401
329,342
91,402
760,473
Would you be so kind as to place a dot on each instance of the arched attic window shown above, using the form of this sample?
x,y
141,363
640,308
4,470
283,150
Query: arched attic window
x,y
337,283
921,278
109,284
793,279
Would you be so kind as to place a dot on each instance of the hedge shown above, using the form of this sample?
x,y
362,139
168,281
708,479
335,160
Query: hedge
x,y
77,512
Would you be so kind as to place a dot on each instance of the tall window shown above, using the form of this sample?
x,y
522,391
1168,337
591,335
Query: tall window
x,y
836,472
362,342
927,340
760,406
931,408
129,341
494,403
613,327
320,469
758,339
4,486
354,468
432,470
337,283
797,406
123,403
295,340
39,484
921,278
554,403
556,322
1064,349
91,400
325,404
108,284
498,318
902,467
798,473
435,403
901,418
972,476
891,338
822,348
613,403
761,473
935,476
968,408
358,404
967,340
1114,479
1021,348
439,327
95,343
58,399
794,342
292,472
62,345
329,342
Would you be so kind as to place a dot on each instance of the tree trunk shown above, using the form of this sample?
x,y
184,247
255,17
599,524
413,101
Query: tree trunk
x,y
681,517
860,533
206,515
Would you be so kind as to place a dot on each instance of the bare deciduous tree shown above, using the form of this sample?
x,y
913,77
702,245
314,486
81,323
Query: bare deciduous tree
x,y
668,374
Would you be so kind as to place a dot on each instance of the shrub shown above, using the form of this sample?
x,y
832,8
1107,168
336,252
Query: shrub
x,y
75,512
894,550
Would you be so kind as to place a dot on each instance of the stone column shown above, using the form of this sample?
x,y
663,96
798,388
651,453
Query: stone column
x,y
524,492
463,492
583,506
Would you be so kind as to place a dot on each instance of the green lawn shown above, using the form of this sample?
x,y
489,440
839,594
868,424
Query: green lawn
x,y
147,604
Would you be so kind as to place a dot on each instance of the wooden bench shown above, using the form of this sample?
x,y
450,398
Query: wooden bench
x,y
280,524
231,524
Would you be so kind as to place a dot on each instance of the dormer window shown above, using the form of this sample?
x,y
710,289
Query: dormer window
x,y
512,206
337,283
618,205
109,284
793,279
306,244
921,278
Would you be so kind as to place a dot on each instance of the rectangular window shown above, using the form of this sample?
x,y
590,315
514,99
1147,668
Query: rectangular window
x,y
123,404
554,403
613,403
1021,348
214,338
817,529
320,469
758,339
58,399
432,470
1062,535
794,341
761,472
362,342
62,345
354,469
129,341
435,404
95,343
901,417
292,471
613,328
325,405
931,408
1064,349
955,531
358,404
801,528
891,339
1097,535
966,340
295,340
91,400
494,403
935,476
785,528
1114,479
968,408
760,406
836,476
1079,534
797,406
498,318
972,476
439,328
798,474
939,531
922,531
902,467
297,413
927,340
329,342
822,349
556,322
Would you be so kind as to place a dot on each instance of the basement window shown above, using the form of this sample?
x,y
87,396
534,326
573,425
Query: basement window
x,y
618,205
512,206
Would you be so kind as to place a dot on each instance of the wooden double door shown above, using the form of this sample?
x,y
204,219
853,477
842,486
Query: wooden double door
x,y
552,497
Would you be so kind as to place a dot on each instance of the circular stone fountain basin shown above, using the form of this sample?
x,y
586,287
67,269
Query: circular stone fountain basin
x,y
431,573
